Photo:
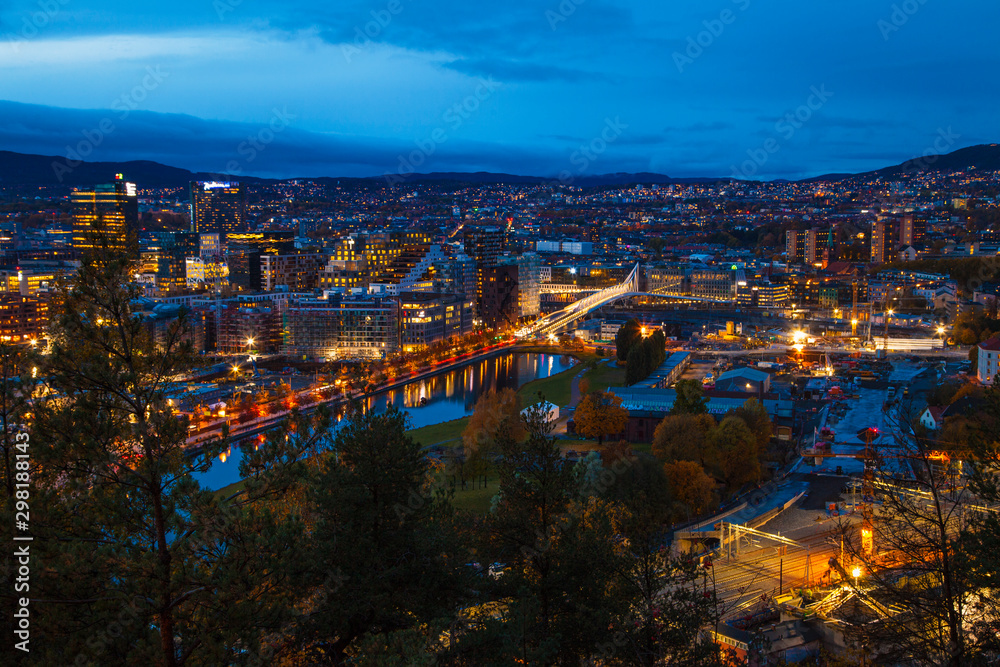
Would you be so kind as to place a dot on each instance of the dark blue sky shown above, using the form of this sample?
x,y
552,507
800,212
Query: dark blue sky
x,y
779,89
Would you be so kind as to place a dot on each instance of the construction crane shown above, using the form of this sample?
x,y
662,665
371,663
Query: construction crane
x,y
868,436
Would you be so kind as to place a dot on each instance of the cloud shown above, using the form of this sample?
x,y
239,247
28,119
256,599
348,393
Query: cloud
x,y
274,148
508,70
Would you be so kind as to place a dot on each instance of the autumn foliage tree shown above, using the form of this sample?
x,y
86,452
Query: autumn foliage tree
x,y
492,409
685,438
599,415
691,487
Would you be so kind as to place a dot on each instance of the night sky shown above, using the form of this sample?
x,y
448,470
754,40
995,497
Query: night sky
x,y
780,89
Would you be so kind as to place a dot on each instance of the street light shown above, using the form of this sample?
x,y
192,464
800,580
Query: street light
x,y
857,573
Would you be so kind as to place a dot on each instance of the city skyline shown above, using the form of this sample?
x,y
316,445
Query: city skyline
x,y
571,88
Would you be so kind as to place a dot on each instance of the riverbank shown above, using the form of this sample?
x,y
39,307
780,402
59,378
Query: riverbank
x,y
260,425
442,431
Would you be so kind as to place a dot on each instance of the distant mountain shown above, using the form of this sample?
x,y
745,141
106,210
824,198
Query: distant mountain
x,y
581,181
25,169
982,156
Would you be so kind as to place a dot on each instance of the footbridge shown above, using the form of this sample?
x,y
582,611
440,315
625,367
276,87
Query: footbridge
x,y
628,288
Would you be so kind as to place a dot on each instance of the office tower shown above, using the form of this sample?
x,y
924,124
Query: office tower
x,y
912,230
244,266
164,256
218,207
883,242
426,318
501,306
529,278
111,210
296,273
485,245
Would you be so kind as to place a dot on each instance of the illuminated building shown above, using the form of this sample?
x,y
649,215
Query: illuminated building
x,y
427,318
883,242
164,257
249,317
28,282
296,273
806,246
413,264
529,278
500,303
764,295
485,245
340,327
210,273
22,318
111,210
218,207
667,280
912,230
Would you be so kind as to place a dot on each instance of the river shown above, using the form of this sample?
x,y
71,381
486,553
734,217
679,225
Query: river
x,y
434,400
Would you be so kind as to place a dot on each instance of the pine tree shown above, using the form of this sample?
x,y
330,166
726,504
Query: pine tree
x,y
134,562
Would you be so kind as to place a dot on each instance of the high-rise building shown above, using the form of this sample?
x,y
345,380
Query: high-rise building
x,y
164,256
805,246
218,207
912,230
427,318
485,245
111,210
296,273
883,241
529,270
501,306
457,275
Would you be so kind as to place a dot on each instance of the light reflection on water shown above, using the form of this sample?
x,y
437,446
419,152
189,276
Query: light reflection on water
x,y
435,399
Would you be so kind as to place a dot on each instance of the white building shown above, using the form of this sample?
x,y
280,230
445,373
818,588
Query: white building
x,y
549,410
989,360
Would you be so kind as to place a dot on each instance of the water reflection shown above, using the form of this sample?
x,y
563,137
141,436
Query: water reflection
x,y
433,400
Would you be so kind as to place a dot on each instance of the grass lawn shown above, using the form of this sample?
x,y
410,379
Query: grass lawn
x,y
478,500
604,376
555,388
447,433
227,491
591,445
